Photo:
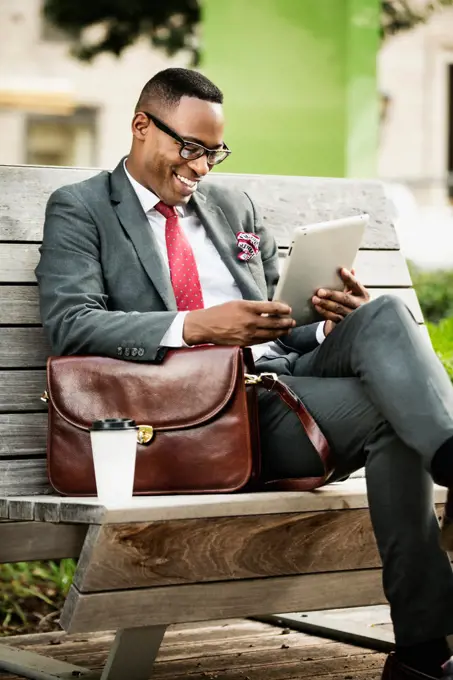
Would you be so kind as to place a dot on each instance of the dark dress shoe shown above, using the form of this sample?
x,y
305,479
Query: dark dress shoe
x,y
395,670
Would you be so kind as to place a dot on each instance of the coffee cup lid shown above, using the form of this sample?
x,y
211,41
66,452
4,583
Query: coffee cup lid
x,y
114,424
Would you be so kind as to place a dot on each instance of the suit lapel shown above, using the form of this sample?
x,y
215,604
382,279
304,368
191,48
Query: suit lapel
x,y
224,239
134,222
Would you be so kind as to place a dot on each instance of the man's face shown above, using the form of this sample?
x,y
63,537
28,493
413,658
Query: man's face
x,y
162,169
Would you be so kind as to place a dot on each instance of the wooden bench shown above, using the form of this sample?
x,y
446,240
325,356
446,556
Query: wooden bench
x,y
164,560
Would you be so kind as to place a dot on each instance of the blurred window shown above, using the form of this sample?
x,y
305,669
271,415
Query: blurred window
x,y
62,140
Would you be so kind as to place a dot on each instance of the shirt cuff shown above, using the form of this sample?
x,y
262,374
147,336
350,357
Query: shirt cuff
x,y
320,335
174,336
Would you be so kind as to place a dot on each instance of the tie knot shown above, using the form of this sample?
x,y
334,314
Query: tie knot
x,y
166,210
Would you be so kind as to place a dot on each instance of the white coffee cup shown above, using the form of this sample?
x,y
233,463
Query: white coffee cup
x,y
114,447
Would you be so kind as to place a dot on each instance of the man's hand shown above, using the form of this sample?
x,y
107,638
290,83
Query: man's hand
x,y
241,322
335,305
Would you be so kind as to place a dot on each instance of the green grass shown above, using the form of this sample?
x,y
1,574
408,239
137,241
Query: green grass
x,y
441,335
32,594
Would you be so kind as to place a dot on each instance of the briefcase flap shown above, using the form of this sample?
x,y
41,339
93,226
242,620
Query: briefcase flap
x,y
189,387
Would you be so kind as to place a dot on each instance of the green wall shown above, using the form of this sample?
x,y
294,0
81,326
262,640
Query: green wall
x,y
299,78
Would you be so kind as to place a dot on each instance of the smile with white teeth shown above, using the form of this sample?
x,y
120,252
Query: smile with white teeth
x,y
186,181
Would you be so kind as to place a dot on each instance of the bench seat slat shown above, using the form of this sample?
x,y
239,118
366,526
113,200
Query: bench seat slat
x,y
350,494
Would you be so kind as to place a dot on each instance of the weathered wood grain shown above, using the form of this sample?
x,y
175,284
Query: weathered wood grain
x,y
23,541
288,202
17,262
23,477
22,435
23,348
20,510
19,305
141,555
265,652
284,202
373,267
279,664
232,647
183,634
260,654
21,391
174,604
52,508
22,220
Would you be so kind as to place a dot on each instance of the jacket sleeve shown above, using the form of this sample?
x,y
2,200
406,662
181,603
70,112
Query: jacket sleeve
x,y
73,299
303,338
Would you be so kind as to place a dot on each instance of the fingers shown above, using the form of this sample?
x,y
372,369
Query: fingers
x,y
270,308
338,297
333,307
329,315
275,323
351,282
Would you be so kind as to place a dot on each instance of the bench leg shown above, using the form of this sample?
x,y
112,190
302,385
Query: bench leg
x,y
133,653
37,667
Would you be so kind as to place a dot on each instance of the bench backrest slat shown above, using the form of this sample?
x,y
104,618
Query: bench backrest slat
x,y
285,202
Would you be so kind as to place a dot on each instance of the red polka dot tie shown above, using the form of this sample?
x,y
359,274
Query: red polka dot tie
x,y
183,268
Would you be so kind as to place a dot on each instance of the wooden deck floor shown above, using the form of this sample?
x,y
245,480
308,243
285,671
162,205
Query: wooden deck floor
x,y
222,650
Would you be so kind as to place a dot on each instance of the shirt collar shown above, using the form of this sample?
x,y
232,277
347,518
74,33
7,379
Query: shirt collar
x,y
147,198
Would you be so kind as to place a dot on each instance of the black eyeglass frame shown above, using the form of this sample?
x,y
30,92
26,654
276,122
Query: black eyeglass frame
x,y
184,142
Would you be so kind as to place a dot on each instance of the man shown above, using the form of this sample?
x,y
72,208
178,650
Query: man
x,y
146,258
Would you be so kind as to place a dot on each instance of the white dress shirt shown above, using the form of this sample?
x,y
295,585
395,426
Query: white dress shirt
x,y
217,283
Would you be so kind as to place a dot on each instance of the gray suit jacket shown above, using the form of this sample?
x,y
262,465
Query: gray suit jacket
x,y
104,288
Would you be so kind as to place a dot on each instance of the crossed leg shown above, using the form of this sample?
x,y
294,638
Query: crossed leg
x,y
384,402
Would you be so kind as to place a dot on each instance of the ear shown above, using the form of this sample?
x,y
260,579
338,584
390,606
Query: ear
x,y
140,126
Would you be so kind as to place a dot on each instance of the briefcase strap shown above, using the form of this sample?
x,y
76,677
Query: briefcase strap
x,y
271,382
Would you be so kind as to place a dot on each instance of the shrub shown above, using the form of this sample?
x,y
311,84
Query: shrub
x,y
435,292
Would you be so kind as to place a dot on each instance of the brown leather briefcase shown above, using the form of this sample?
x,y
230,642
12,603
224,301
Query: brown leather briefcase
x,y
197,417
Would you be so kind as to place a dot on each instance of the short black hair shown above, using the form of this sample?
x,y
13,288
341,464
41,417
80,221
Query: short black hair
x,y
167,87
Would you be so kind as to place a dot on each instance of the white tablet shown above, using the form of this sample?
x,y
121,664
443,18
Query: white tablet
x,y
316,254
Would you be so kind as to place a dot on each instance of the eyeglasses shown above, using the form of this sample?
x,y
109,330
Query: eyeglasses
x,y
190,151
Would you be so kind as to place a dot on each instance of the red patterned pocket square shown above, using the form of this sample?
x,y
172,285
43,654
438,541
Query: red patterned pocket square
x,y
248,244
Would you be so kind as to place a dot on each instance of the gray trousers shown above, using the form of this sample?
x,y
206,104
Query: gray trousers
x,y
384,401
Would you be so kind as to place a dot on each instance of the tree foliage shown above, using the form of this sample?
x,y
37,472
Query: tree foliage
x,y
172,24
401,15
169,24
